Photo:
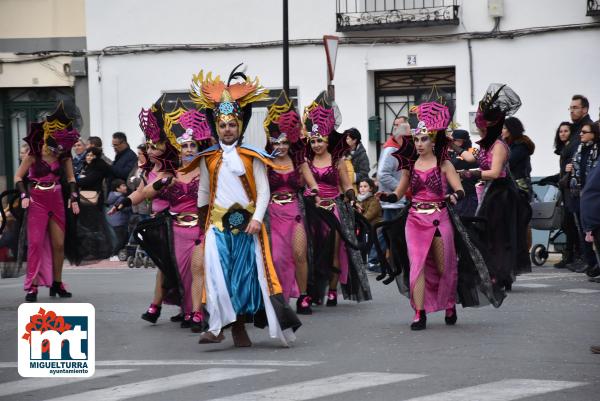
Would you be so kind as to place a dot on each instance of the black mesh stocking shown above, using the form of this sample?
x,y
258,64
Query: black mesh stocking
x,y
333,281
300,258
57,241
437,252
197,277
418,292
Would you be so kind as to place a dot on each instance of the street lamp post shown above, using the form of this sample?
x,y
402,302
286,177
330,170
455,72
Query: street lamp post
x,y
286,50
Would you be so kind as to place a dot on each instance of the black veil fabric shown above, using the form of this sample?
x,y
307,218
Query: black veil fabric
x,y
498,102
285,315
72,252
499,98
321,228
395,238
321,244
507,212
95,236
13,235
474,287
155,236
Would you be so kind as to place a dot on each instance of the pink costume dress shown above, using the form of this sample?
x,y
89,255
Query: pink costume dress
x,y
485,157
46,202
285,220
328,181
182,198
440,290
159,203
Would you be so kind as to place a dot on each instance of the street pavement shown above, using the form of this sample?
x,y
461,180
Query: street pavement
x,y
534,347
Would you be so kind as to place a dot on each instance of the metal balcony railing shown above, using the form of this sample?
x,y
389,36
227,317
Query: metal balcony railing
x,y
593,8
359,15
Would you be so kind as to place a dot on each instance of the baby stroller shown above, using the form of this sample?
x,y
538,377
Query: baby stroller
x,y
136,256
547,215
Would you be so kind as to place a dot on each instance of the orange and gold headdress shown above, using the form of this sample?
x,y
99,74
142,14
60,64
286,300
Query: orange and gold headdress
x,y
227,101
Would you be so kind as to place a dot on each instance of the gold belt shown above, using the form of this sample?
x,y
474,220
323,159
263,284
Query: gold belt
x,y
428,207
282,198
186,219
217,213
327,204
45,186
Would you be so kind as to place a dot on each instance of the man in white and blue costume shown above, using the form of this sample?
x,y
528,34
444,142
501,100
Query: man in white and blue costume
x,y
241,285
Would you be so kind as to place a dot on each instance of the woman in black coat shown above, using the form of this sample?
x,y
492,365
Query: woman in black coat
x,y
521,149
586,158
95,237
358,156
93,173
562,140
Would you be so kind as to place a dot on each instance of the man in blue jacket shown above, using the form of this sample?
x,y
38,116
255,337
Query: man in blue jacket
x,y
590,216
590,221
125,158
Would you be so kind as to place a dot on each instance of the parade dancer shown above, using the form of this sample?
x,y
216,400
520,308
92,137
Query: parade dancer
x,y
286,217
430,226
193,134
240,279
333,239
506,211
162,162
50,144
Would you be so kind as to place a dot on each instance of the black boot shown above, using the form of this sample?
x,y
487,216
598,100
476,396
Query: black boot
x,y
578,266
197,324
186,323
177,318
420,321
152,314
593,271
451,317
31,294
332,298
567,257
303,305
58,288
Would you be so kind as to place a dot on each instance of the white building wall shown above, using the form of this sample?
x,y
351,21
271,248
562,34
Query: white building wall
x,y
545,70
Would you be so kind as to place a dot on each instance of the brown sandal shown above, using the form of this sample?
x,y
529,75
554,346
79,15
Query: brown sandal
x,y
210,338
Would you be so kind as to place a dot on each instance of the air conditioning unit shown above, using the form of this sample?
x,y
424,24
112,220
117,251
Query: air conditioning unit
x,y
77,67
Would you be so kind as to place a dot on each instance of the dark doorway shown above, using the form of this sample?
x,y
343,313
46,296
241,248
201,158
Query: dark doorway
x,y
397,91
19,108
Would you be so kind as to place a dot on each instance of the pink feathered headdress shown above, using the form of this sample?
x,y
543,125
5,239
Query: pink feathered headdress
x,y
196,127
432,117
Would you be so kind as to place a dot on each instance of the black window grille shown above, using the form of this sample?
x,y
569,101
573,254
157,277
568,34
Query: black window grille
x,y
359,15
593,8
